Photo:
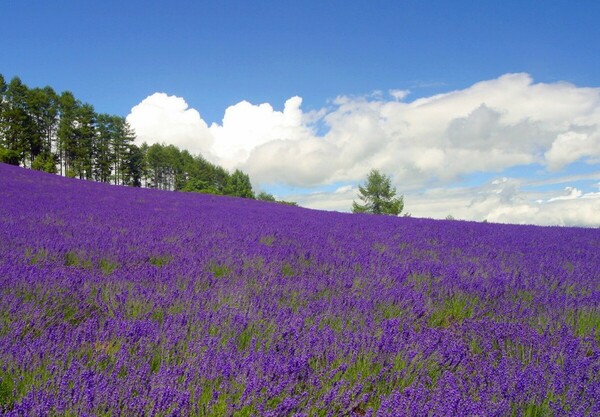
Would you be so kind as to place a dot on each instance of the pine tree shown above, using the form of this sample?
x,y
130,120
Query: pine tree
x,y
378,196
239,185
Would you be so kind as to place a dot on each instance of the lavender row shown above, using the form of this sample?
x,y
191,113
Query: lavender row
x,y
117,301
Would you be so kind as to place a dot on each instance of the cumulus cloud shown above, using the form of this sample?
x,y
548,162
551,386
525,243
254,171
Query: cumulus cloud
x,y
488,127
504,201
571,194
246,127
161,118
571,146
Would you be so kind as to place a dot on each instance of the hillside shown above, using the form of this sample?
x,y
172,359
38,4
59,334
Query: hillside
x,y
124,301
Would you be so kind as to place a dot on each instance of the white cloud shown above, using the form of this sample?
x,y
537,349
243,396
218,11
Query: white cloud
x,y
344,189
161,118
571,194
571,146
501,200
507,203
488,127
246,126
399,94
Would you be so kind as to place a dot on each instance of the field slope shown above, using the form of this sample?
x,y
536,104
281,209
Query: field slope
x,y
123,302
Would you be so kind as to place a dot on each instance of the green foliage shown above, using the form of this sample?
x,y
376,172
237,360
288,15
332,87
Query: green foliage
x,y
155,361
107,267
264,196
57,133
198,185
6,389
44,162
267,240
379,196
169,168
9,156
289,203
287,270
585,322
533,408
454,309
239,185
160,260
78,260
220,270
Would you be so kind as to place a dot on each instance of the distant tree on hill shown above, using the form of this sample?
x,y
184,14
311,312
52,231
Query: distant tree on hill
x,y
239,185
379,196
264,196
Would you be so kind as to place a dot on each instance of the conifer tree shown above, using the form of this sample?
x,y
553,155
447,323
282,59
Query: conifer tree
x,y
379,196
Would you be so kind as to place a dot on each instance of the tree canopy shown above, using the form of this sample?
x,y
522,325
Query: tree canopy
x,y
378,196
57,133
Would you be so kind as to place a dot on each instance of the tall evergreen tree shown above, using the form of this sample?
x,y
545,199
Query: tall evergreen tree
x,y
66,146
157,163
379,196
239,185
3,87
18,127
84,138
103,152
42,105
7,155
123,137
135,166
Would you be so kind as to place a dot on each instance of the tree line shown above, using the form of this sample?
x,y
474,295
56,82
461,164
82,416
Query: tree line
x,y
57,133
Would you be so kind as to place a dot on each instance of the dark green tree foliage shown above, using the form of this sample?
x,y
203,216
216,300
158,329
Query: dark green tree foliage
x,y
7,154
19,139
134,168
239,185
264,196
103,152
378,196
83,141
42,106
66,146
122,141
157,166
58,133
168,168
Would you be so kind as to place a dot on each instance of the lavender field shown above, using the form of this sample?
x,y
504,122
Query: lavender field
x,y
133,302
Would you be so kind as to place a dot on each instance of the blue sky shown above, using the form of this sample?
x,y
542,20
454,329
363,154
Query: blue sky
x,y
341,58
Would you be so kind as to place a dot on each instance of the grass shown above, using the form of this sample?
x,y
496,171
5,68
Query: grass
x,y
160,261
585,322
454,309
107,267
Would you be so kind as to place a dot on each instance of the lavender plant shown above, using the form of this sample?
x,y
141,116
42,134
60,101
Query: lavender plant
x,y
117,301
